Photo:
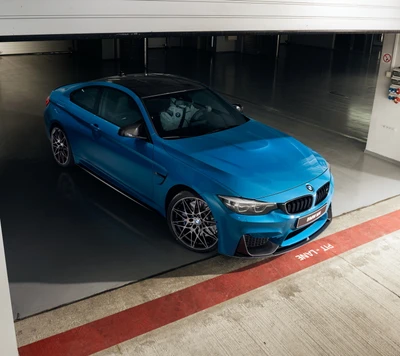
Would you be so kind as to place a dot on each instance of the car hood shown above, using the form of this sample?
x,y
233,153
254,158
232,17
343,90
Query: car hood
x,y
253,160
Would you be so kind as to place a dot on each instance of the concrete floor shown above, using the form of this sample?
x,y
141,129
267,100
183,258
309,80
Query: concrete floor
x,y
343,300
347,306
68,237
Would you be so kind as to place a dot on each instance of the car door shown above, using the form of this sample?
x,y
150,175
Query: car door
x,y
84,107
127,161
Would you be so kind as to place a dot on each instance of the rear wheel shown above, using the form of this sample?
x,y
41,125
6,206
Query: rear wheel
x,y
61,148
192,223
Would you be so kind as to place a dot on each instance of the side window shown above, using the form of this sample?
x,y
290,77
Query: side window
x,y
86,98
119,108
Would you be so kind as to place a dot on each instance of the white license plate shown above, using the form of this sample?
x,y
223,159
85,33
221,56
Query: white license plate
x,y
306,220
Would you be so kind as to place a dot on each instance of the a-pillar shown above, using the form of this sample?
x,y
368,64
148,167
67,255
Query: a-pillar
x,y
384,131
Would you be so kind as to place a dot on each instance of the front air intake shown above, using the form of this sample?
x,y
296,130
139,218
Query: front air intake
x,y
252,242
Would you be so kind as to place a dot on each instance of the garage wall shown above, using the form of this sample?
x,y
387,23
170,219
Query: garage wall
x,y
27,17
384,130
157,42
226,43
250,44
34,47
174,41
322,41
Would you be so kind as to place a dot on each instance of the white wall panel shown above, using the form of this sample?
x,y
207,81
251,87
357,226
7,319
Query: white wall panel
x,y
36,17
384,130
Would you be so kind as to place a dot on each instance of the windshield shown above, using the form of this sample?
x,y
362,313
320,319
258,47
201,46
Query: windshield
x,y
191,113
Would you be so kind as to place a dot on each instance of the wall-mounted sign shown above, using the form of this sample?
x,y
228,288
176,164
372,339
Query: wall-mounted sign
x,y
387,57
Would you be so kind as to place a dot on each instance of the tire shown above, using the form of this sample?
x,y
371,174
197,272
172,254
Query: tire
x,y
61,148
191,222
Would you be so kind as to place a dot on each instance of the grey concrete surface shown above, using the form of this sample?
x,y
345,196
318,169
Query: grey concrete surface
x,y
68,237
73,315
348,305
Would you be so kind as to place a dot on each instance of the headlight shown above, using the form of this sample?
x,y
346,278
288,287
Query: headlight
x,y
246,206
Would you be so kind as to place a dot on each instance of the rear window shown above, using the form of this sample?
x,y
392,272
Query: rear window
x,y
86,98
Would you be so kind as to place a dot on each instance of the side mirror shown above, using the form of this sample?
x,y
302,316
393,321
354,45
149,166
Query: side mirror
x,y
238,107
137,130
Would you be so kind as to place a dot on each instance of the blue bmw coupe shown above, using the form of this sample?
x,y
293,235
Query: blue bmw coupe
x,y
221,179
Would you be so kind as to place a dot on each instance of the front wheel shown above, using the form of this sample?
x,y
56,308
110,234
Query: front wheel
x,y
61,148
192,223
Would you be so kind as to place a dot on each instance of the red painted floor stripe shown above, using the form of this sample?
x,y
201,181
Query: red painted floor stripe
x,y
111,330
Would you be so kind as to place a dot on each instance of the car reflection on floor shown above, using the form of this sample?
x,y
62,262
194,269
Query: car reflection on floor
x,y
82,191
68,236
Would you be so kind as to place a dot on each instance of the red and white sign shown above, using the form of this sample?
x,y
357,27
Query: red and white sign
x,y
387,58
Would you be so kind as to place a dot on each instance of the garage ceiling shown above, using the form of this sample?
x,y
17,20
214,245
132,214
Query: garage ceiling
x,y
63,17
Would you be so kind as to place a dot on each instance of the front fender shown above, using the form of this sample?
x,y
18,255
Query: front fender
x,y
177,173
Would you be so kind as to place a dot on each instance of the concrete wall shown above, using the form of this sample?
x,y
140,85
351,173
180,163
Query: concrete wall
x,y
108,49
384,131
34,46
174,42
28,17
322,41
226,43
157,42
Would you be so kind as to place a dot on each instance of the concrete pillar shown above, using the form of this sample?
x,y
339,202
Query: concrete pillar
x,y
7,332
242,44
333,41
278,44
145,55
384,130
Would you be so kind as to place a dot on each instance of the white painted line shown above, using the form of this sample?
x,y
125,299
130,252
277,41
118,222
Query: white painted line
x,y
8,340
311,253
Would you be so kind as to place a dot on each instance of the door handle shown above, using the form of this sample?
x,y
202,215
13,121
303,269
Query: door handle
x,y
95,127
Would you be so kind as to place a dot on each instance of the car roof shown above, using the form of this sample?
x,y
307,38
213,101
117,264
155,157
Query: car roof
x,y
151,85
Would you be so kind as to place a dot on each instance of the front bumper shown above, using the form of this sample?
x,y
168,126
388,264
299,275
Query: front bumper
x,y
274,233
246,248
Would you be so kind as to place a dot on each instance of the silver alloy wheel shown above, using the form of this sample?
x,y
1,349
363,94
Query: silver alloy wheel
x,y
59,146
193,223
